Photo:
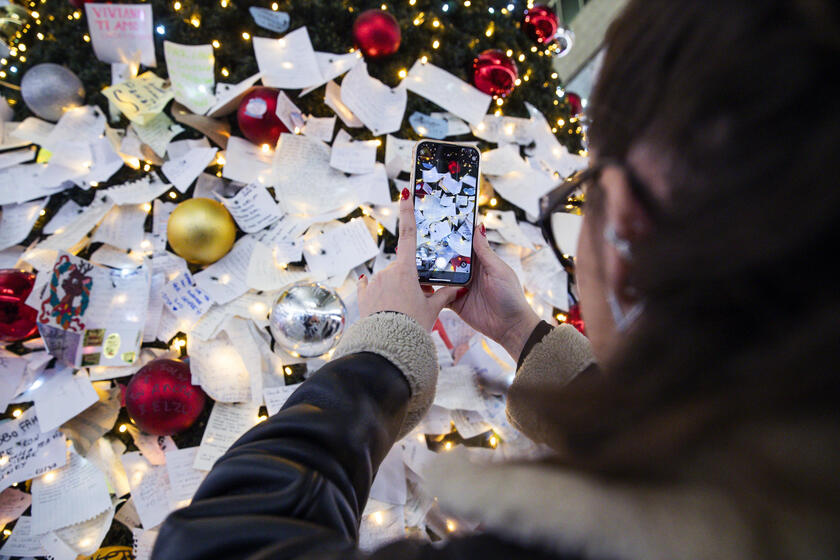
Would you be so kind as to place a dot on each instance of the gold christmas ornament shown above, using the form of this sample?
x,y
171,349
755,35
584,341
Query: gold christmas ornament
x,y
201,230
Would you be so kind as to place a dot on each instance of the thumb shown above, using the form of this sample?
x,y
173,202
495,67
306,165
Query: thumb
x,y
483,251
443,297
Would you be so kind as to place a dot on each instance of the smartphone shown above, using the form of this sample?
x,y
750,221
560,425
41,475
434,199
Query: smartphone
x,y
445,178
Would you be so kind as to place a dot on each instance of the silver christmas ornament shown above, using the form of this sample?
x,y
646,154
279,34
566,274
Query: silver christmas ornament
x,y
562,43
49,90
307,319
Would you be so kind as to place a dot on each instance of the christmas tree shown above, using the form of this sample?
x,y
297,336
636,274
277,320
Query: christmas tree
x,y
447,34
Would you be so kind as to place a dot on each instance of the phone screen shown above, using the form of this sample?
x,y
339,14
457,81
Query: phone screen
x,y
445,194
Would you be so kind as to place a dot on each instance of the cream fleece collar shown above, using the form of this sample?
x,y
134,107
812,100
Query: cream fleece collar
x,y
569,512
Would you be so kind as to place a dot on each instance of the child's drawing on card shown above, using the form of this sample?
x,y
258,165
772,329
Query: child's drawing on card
x,y
68,294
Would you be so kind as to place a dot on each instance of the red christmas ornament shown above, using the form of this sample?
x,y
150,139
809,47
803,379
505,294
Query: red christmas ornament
x,y
575,319
376,33
575,103
161,399
258,118
494,73
454,168
540,24
17,320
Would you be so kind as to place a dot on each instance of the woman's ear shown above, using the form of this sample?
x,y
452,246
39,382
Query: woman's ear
x,y
625,224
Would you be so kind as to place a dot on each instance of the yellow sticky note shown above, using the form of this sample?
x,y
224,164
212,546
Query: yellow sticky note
x,y
44,156
142,98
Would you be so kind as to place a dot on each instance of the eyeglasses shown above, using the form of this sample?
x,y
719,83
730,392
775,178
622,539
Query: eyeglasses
x,y
570,198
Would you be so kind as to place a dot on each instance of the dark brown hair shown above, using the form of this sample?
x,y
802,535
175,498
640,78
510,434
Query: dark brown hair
x,y
742,317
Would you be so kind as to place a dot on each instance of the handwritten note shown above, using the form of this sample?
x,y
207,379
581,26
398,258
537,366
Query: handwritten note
x,y
183,171
225,280
288,62
320,127
276,397
332,66
185,300
122,227
23,542
444,89
379,107
270,19
246,162
227,423
429,127
17,220
340,249
69,495
398,155
25,452
191,72
158,132
220,369
150,488
62,397
140,99
184,479
122,33
253,208
85,538
353,157
13,502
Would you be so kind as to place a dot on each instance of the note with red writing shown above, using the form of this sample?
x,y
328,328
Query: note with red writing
x,y
122,33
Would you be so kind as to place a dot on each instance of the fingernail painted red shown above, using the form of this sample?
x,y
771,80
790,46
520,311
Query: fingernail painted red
x,y
483,230
405,194
361,277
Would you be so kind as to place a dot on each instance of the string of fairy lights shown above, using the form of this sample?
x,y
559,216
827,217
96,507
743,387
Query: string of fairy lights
x,y
435,20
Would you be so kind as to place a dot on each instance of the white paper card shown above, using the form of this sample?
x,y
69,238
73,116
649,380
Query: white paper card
x,y
253,208
276,397
149,488
379,107
340,249
288,62
26,452
69,495
227,423
184,170
191,72
22,542
270,19
444,89
184,479
62,397
17,220
225,280
353,157
122,33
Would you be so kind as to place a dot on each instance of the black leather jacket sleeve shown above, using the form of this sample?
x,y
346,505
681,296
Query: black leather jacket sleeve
x,y
296,484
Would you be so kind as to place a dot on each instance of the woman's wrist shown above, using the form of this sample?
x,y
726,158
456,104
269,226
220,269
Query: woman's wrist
x,y
517,335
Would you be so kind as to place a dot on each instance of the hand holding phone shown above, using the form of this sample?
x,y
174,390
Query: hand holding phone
x,y
445,179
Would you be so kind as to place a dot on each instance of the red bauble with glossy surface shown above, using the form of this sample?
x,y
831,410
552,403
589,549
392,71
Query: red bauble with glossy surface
x,y
540,24
17,320
575,319
494,73
376,33
575,103
161,399
258,118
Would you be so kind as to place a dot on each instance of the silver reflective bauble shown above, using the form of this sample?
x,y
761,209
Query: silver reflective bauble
x,y
307,319
49,90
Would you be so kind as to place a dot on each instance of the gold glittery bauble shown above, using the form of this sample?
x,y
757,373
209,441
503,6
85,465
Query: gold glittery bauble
x,y
201,230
